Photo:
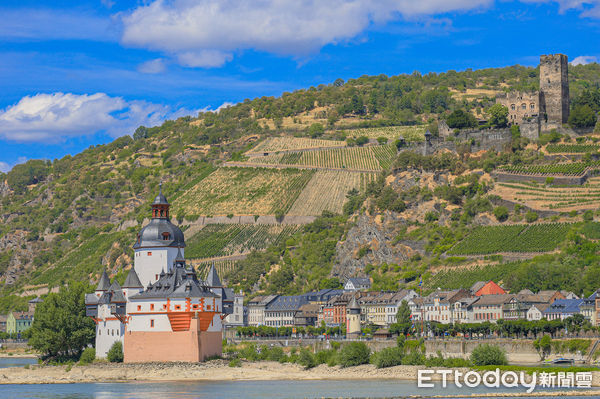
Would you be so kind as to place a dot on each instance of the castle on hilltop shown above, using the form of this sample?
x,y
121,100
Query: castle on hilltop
x,y
163,311
546,109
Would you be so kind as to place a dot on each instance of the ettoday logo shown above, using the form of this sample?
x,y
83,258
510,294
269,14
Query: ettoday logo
x,y
508,379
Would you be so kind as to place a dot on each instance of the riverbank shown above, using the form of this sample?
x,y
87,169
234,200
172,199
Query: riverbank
x,y
216,370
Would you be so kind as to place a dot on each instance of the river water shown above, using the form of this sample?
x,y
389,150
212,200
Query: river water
x,y
228,389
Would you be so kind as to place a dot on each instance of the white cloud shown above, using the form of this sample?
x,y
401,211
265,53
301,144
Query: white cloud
x,y
55,117
153,66
583,60
4,167
205,33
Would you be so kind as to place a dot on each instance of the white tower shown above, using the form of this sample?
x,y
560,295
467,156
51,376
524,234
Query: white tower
x,y
157,244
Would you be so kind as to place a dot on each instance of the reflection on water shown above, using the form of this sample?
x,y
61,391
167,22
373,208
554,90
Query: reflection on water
x,y
16,361
233,389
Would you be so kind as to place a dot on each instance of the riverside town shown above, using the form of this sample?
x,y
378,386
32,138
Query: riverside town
x,y
299,200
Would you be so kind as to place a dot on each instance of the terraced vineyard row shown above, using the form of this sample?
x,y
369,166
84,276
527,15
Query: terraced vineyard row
x,y
512,238
567,169
293,143
410,133
539,197
327,191
216,240
373,158
223,267
244,191
572,148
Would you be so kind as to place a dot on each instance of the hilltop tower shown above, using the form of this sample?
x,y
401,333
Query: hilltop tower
x,y
554,89
157,244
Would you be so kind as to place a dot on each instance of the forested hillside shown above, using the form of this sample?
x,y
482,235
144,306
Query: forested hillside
x,y
67,219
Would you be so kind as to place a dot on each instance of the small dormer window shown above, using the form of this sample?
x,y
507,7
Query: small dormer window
x,y
166,236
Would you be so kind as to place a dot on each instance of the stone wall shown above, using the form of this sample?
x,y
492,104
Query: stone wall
x,y
511,207
473,139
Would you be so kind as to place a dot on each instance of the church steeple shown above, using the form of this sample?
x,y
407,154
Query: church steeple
x,y
160,206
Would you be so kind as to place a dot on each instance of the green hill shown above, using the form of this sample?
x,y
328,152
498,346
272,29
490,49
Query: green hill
x,y
66,219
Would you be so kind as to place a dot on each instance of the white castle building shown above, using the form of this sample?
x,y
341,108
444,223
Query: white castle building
x,y
163,311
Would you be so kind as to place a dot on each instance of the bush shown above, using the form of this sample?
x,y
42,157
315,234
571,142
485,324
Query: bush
x,y
235,363
501,213
588,216
306,358
549,180
488,355
87,356
115,353
354,354
327,357
531,217
388,357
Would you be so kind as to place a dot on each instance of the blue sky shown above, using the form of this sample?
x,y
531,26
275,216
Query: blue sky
x,y
76,73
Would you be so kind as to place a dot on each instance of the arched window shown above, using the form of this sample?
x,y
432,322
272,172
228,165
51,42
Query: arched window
x,y
523,106
532,106
512,106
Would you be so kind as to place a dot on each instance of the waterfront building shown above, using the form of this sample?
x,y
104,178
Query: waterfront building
x,y
17,322
163,311
256,309
353,319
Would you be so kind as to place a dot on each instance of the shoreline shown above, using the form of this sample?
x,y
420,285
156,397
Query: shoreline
x,y
215,370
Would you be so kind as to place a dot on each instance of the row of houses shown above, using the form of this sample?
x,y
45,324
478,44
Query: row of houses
x,y
487,301
483,302
17,322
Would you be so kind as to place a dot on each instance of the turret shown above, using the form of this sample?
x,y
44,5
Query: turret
x,y
103,284
353,319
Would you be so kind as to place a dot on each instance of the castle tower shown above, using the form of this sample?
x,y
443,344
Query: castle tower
x,y
554,89
353,319
158,244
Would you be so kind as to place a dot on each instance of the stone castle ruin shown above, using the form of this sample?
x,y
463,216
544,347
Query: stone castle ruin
x,y
547,108
534,112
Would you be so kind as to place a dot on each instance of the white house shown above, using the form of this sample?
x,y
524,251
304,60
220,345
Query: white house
x,y
357,284
536,312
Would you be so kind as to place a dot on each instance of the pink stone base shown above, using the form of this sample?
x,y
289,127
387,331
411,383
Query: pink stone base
x,y
167,346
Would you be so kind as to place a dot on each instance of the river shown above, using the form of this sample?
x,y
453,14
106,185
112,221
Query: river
x,y
233,389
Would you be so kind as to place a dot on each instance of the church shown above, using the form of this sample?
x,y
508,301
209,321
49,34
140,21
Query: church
x,y
163,311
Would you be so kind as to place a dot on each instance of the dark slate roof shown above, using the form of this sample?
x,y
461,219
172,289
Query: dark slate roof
x,y
178,283
132,280
360,281
286,302
160,198
564,306
353,304
91,299
213,279
104,282
116,293
477,286
152,235
36,300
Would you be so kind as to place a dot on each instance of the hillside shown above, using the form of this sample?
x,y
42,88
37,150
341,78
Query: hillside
x,y
301,191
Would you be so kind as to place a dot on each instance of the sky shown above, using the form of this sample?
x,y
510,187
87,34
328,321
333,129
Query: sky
x,y
83,72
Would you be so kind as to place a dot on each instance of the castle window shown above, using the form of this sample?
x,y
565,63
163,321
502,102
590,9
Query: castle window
x,y
532,106
208,307
512,106
195,306
164,306
152,323
149,253
139,308
523,106
177,307
151,306
166,236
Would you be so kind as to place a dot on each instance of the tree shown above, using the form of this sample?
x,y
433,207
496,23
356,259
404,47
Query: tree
x,y
460,119
140,133
316,130
501,213
531,217
403,313
543,346
60,329
498,115
582,116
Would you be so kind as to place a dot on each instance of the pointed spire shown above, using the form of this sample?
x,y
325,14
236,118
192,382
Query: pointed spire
x,y
213,279
132,280
104,282
179,256
353,304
